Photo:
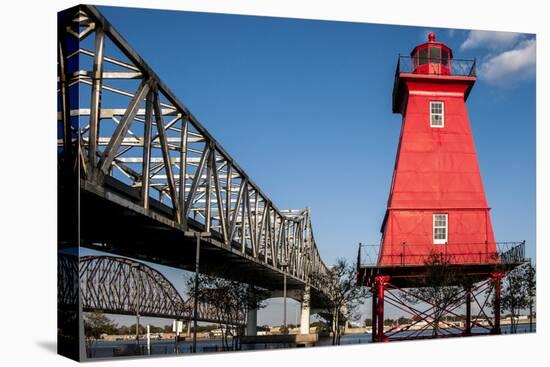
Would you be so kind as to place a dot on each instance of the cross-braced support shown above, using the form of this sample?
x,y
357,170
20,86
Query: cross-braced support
x,y
442,320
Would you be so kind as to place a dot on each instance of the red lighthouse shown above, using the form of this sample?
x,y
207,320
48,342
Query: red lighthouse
x,y
437,202
437,205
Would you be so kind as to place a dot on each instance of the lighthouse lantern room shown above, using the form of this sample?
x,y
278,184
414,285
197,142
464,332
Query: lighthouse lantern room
x,y
432,57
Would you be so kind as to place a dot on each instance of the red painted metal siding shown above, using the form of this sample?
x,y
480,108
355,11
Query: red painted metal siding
x,y
436,171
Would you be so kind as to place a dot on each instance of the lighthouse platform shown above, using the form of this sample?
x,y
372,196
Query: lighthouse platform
x,y
406,271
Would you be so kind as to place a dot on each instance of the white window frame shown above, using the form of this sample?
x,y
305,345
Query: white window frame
x,y
440,241
434,114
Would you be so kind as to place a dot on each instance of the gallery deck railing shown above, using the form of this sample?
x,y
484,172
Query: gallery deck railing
x,y
456,67
454,253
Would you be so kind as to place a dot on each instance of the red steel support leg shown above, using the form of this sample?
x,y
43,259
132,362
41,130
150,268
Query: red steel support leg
x,y
381,284
468,323
497,280
380,311
374,313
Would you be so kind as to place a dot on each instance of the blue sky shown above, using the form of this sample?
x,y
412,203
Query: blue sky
x,y
304,107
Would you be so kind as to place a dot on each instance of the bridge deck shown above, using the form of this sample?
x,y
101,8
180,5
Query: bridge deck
x,y
112,223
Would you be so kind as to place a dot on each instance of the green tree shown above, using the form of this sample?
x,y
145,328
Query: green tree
x,y
518,293
531,284
230,301
155,329
342,295
402,320
319,326
96,324
263,328
513,295
142,329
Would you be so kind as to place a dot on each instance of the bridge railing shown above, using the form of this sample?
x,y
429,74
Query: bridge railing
x,y
120,124
456,253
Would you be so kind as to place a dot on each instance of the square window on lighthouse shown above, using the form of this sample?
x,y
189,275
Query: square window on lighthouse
x,y
437,112
440,226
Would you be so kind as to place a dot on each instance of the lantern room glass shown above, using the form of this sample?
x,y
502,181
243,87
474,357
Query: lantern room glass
x,y
431,58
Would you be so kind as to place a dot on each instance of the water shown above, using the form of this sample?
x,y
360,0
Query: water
x,y
109,349
106,349
367,338
102,349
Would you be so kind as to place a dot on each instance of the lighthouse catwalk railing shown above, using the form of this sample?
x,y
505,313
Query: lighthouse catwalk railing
x,y
457,67
406,255
120,126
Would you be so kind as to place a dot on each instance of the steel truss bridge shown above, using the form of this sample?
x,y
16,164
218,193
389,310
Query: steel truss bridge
x,y
117,285
140,172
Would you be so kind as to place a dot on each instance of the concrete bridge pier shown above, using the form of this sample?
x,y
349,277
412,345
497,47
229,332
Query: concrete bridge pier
x,y
251,315
306,310
251,322
303,296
